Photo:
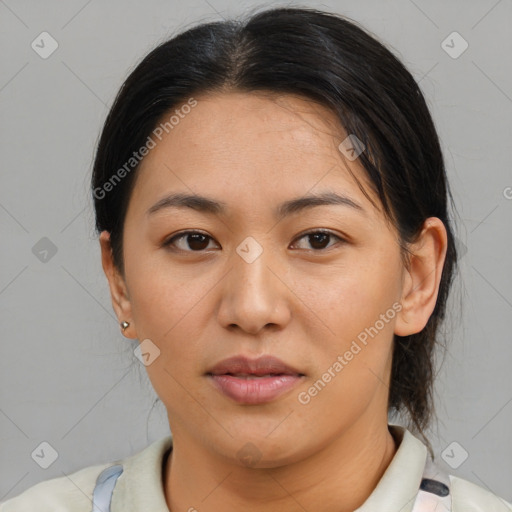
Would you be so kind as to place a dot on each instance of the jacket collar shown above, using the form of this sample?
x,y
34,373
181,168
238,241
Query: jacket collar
x,y
140,487
399,485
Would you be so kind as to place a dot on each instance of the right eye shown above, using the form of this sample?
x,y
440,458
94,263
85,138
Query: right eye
x,y
194,241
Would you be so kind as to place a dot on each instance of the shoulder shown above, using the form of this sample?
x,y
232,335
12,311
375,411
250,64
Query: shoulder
x,y
469,497
71,493
74,492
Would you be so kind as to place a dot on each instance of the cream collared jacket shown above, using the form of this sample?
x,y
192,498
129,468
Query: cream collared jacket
x,y
139,486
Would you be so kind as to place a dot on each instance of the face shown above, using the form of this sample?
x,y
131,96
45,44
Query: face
x,y
317,287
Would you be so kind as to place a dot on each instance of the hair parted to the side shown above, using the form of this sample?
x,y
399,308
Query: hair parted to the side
x,y
327,58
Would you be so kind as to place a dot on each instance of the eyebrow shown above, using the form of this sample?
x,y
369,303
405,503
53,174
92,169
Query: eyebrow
x,y
290,207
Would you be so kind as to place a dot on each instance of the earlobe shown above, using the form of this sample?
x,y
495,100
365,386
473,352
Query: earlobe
x,y
422,278
118,290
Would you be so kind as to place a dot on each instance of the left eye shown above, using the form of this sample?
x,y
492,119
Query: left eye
x,y
197,241
317,239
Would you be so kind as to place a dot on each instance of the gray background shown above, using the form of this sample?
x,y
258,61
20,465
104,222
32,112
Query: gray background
x,y
67,375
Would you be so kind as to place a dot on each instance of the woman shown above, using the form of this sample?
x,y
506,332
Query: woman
x,y
272,206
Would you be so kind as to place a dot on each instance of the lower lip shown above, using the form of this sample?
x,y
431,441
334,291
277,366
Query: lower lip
x,y
254,391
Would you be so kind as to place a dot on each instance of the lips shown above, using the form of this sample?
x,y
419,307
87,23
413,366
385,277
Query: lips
x,y
241,366
253,381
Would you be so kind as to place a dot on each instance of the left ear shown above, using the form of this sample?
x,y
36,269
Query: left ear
x,y
422,277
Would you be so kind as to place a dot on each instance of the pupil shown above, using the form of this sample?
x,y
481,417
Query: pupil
x,y
318,237
196,238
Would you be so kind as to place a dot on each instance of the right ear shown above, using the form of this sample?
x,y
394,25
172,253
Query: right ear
x,y
118,289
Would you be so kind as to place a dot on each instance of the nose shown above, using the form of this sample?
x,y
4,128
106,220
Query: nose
x,y
255,294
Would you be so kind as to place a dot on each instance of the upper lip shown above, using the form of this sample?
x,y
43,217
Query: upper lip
x,y
262,365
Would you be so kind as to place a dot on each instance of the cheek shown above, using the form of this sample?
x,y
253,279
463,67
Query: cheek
x,y
168,311
352,357
168,308
359,304
161,295
354,295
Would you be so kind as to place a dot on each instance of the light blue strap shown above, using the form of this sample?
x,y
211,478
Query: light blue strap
x,y
105,483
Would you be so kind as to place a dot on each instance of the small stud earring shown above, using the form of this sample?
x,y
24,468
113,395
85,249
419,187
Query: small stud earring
x,y
124,325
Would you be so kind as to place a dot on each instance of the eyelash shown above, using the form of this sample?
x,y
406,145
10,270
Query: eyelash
x,y
168,243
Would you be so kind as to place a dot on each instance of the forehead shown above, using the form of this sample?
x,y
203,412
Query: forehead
x,y
249,147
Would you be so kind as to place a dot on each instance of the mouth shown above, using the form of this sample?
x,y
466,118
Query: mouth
x,y
262,366
251,376
253,381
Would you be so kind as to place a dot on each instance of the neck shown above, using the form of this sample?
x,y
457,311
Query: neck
x,y
337,478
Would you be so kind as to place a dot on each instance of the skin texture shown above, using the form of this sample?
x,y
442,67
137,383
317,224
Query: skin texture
x,y
301,301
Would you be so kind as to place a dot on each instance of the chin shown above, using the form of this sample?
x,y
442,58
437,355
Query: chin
x,y
256,450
